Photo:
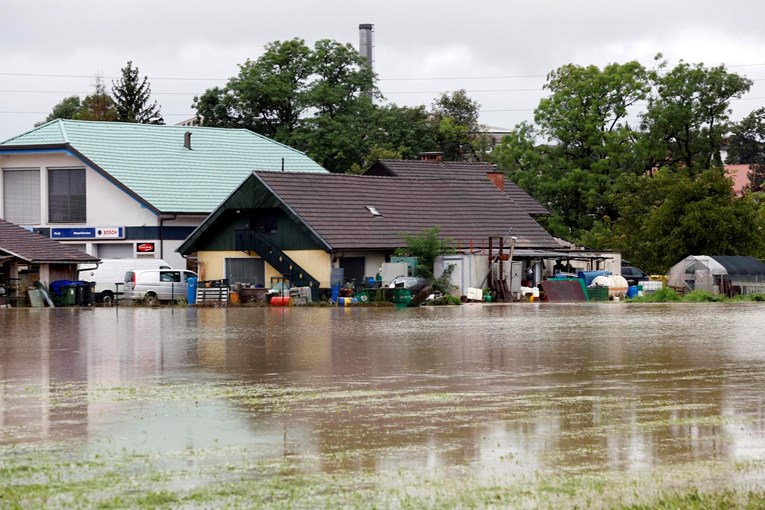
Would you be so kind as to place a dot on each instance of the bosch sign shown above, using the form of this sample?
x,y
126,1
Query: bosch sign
x,y
88,233
109,233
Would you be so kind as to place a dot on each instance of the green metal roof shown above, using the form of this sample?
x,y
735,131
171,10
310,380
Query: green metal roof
x,y
152,162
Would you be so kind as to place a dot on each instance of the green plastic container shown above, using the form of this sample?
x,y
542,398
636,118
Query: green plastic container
x,y
597,293
402,296
68,295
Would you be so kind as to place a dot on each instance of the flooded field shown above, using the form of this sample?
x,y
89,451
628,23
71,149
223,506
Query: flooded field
x,y
523,406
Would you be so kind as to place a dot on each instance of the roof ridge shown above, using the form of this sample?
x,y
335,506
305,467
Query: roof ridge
x,y
62,127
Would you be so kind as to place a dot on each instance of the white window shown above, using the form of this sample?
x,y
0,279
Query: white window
x,y
21,195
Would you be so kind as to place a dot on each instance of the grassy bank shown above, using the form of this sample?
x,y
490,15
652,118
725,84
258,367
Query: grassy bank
x,y
667,295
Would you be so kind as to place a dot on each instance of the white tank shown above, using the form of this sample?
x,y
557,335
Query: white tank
x,y
617,285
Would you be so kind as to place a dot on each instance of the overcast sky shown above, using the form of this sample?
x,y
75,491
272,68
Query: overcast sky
x,y
499,51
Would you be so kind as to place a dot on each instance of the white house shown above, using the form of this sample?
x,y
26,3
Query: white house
x,y
121,190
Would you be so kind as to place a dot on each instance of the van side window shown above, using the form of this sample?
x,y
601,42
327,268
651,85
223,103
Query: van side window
x,y
170,276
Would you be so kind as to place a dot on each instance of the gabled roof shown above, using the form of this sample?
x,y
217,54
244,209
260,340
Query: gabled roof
x,y
365,212
36,249
152,164
454,170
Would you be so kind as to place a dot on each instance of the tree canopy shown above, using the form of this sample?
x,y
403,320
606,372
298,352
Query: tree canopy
x,y
324,100
629,158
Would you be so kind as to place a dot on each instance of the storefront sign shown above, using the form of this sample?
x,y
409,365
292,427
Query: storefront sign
x,y
88,233
145,248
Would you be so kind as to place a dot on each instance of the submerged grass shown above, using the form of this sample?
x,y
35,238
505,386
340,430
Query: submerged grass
x,y
363,462
282,484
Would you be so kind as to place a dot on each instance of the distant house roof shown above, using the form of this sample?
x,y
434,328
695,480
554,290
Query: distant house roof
x,y
740,175
454,170
152,163
36,249
365,212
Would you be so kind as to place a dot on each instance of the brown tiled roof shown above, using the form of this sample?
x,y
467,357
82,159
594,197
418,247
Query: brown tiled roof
x,y
336,207
454,170
36,249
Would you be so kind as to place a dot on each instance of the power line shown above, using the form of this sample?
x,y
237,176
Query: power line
x,y
38,75
472,91
497,77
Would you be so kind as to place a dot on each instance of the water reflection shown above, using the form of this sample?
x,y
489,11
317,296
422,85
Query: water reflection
x,y
495,389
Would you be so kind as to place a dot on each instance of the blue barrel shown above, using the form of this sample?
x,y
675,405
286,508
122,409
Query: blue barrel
x,y
192,290
588,276
632,291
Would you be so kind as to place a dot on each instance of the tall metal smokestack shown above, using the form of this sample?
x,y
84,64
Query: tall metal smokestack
x,y
367,43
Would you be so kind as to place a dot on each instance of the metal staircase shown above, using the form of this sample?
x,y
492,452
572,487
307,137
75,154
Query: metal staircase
x,y
252,241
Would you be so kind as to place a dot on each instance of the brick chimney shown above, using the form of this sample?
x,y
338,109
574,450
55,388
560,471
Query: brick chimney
x,y
497,178
432,156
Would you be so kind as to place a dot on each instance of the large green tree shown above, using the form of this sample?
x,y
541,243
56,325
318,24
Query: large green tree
x,y
68,108
688,114
574,156
674,214
132,98
316,99
456,127
601,131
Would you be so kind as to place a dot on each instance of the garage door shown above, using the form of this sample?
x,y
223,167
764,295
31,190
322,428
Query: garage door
x,y
247,270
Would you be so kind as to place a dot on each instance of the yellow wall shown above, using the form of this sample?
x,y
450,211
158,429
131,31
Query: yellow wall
x,y
212,264
318,263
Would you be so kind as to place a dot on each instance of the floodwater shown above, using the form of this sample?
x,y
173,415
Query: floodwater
x,y
364,398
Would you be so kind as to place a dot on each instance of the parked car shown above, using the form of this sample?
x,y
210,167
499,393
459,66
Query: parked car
x,y
633,275
154,285
112,271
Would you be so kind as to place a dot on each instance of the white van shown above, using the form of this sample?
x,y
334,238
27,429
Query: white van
x,y
154,285
112,271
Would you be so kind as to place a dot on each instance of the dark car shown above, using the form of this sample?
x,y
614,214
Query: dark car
x,y
634,275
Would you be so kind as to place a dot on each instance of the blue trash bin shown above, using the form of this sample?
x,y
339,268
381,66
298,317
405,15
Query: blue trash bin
x,y
192,290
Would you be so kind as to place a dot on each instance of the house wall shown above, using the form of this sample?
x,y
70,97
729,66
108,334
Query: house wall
x,y
318,263
212,264
373,260
107,205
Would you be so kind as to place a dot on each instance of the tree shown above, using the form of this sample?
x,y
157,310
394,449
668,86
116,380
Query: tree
x,y
747,145
581,147
584,152
99,105
687,114
405,129
674,214
455,121
96,106
132,96
426,246
315,99
68,108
